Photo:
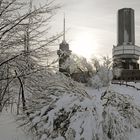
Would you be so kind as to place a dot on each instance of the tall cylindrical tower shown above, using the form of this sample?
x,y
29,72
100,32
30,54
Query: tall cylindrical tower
x,y
126,53
126,27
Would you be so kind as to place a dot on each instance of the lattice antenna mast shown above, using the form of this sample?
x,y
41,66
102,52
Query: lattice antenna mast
x,y
64,29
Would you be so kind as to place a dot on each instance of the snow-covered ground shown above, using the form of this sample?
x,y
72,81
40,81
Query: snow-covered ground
x,y
130,91
108,113
127,92
9,129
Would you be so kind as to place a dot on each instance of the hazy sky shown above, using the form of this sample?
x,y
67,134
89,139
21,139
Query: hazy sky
x,y
92,24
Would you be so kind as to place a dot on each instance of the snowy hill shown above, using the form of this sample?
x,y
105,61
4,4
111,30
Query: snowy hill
x,y
110,113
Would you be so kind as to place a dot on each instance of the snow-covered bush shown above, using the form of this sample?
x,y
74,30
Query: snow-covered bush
x,y
117,72
46,87
120,116
72,117
95,82
103,74
63,110
101,78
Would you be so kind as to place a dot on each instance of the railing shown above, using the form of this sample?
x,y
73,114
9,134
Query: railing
x,y
124,83
128,75
126,49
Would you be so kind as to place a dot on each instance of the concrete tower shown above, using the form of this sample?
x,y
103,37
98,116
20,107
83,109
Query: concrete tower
x,y
126,29
64,54
126,53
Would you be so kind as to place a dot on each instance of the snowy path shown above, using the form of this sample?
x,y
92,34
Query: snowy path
x,y
9,129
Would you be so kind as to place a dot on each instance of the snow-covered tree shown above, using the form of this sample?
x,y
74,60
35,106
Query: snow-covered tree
x,y
79,64
24,40
103,71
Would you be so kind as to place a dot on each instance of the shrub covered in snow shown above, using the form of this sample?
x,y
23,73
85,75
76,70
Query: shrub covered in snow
x,y
101,79
95,82
103,72
65,111
72,117
121,116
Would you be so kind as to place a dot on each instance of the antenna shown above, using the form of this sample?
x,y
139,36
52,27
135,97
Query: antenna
x,y
64,28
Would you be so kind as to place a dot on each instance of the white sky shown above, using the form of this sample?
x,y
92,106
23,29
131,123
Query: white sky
x,y
93,24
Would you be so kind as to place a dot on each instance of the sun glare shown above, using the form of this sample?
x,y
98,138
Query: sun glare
x,y
85,44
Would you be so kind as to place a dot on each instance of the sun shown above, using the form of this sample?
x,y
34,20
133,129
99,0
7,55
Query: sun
x,y
85,44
